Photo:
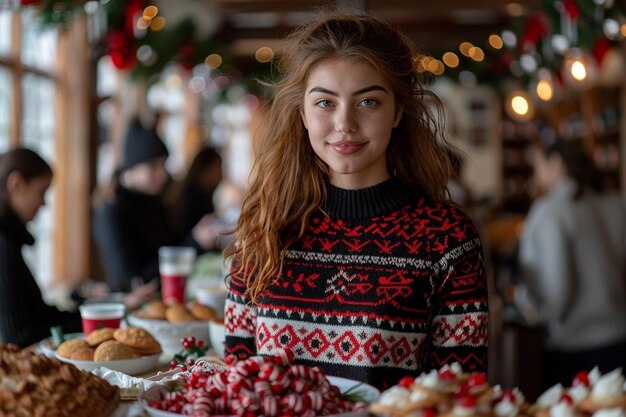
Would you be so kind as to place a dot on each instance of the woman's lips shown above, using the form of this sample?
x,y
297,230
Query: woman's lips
x,y
347,147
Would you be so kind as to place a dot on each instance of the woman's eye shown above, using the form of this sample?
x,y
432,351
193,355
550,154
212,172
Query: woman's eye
x,y
323,103
368,102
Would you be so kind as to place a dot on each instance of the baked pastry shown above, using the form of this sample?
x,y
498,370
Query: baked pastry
x,y
112,350
82,353
98,336
202,312
154,310
67,348
178,314
605,391
138,339
37,386
449,392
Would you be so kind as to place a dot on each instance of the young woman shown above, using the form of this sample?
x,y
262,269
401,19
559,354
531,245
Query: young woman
x,y
347,251
572,256
24,316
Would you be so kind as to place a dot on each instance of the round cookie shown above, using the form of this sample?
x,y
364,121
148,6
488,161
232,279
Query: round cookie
x,y
98,336
202,312
138,339
82,353
68,347
112,350
154,310
178,314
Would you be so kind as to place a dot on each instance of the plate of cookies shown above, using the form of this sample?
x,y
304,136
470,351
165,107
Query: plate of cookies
x,y
170,323
130,350
49,348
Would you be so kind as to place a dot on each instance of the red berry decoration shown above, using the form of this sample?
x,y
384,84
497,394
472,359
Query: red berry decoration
x,y
462,391
467,402
566,398
406,381
447,374
581,378
429,412
508,394
477,379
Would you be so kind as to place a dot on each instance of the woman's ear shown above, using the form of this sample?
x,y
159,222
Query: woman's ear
x,y
399,114
14,181
303,119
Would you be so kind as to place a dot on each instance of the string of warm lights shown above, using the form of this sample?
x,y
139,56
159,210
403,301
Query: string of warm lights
x,y
564,44
567,44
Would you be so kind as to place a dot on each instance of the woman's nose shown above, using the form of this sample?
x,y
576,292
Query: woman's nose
x,y
345,120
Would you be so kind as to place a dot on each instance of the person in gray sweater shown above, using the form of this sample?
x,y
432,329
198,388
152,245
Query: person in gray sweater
x,y
572,258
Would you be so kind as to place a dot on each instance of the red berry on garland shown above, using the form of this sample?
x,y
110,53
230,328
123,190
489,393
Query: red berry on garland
x,y
200,343
173,363
190,362
183,368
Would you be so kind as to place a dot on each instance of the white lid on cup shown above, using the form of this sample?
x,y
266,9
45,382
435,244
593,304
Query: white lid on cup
x,y
102,311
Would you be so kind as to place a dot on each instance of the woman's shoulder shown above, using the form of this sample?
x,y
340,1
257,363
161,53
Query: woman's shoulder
x,y
442,211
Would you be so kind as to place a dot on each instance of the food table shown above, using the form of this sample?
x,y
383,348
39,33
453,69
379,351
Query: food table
x,y
445,392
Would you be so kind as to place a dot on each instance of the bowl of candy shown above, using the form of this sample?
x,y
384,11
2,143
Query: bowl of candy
x,y
259,385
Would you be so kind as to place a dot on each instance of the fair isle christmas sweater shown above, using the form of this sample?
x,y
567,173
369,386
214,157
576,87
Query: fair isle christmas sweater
x,y
384,283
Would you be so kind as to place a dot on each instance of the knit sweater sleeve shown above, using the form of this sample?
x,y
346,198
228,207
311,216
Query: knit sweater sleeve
x,y
240,319
459,300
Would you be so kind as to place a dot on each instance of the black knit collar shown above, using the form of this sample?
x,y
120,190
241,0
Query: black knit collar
x,y
15,229
368,202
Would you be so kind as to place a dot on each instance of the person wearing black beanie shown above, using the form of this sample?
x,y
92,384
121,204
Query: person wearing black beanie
x,y
141,145
131,221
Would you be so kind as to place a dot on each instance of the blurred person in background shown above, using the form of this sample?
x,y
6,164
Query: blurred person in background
x,y
194,196
131,222
572,257
24,316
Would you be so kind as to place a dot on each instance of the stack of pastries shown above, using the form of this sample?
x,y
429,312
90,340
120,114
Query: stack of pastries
x,y
35,386
450,392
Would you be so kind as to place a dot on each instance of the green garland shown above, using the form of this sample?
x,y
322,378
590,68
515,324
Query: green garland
x,y
178,42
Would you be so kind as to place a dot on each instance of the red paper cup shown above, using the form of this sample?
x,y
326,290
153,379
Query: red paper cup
x,y
173,288
97,315
175,264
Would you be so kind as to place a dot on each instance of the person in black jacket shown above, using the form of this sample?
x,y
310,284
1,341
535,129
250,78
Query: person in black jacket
x,y
194,196
131,221
24,316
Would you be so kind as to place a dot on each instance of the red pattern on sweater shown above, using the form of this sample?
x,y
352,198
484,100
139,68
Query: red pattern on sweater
x,y
373,299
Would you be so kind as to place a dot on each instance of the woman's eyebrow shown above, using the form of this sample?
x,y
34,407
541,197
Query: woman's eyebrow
x,y
361,91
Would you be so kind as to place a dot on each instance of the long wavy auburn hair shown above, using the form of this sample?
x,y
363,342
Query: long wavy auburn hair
x,y
288,181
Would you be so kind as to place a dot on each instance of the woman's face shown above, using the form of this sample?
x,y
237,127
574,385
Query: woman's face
x,y
548,170
349,111
27,196
149,177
